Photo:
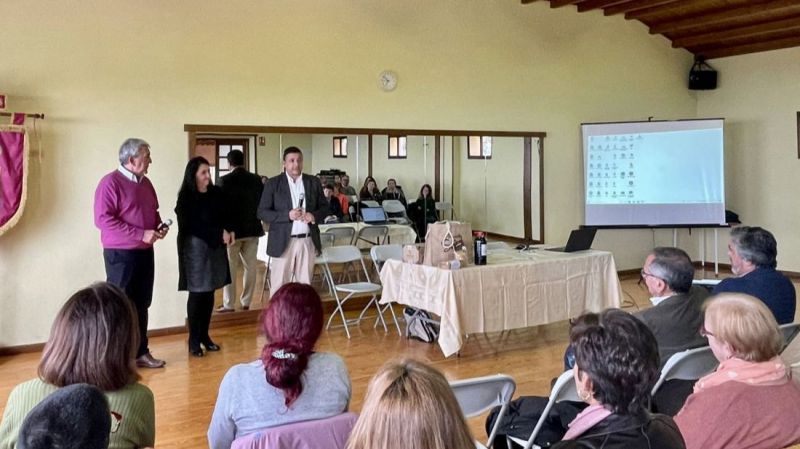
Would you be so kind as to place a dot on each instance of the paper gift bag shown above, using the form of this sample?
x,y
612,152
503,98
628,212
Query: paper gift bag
x,y
413,253
445,239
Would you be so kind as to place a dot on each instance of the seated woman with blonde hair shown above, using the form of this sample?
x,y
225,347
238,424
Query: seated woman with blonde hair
x,y
93,341
750,401
410,405
290,382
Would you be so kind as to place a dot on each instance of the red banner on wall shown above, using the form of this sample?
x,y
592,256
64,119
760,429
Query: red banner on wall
x,y
13,173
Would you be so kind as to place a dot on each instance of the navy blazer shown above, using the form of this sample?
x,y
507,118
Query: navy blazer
x,y
276,202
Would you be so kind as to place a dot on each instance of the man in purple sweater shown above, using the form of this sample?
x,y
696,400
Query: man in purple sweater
x,y
126,211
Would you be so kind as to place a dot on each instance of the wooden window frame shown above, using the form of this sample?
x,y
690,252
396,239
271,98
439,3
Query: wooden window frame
x,y
404,147
480,155
342,140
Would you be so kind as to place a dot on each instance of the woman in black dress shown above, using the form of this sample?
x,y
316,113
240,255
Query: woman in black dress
x,y
423,211
202,257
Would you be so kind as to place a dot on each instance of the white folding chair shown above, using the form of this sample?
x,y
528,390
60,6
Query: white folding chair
x,y
261,254
343,235
443,207
789,332
374,235
396,212
480,394
379,255
563,390
326,240
690,364
343,255
370,203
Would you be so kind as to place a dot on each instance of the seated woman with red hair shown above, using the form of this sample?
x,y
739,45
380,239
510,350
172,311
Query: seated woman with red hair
x,y
290,382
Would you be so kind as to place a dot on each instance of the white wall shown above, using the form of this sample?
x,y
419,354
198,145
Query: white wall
x,y
105,71
759,96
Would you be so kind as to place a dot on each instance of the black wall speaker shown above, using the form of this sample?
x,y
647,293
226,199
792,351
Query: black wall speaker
x,y
702,76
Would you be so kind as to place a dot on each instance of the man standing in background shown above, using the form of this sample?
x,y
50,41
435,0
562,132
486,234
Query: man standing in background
x,y
243,191
126,212
293,204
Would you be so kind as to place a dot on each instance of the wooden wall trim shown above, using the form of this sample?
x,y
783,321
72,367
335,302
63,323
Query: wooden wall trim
x,y
369,157
527,173
379,131
541,190
437,167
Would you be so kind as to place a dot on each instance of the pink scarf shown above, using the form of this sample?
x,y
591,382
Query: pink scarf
x,y
771,372
585,420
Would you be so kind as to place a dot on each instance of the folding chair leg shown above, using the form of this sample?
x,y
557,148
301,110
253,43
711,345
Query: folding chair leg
x,y
394,318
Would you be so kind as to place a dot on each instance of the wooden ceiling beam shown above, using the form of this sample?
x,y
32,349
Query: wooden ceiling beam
x,y
732,16
699,40
589,5
686,8
560,3
751,48
627,7
751,40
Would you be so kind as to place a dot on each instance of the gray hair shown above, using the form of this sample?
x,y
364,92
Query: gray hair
x,y
130,148
674,267
755,245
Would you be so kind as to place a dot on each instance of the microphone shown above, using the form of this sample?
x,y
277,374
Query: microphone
x,y
164,225
300,203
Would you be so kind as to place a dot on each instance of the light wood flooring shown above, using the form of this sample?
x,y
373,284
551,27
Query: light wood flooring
x,y
186,389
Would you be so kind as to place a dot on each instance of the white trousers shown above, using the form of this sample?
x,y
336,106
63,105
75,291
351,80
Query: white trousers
x,y
243,252
296,264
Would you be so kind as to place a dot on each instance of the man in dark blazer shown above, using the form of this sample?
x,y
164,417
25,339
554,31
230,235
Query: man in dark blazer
x,y
675,318
293,204
243,191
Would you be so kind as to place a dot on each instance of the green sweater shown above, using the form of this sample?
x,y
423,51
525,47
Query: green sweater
x,y
134,403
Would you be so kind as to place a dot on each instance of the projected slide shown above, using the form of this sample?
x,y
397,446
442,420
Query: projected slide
x,y
654,173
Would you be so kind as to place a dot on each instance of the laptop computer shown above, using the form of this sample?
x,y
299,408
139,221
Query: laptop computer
x,y
579,240
374,215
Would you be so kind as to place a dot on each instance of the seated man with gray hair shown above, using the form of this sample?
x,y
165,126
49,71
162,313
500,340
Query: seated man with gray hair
x,y
753,252
676,314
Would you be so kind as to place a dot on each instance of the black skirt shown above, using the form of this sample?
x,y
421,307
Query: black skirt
x,y
205,268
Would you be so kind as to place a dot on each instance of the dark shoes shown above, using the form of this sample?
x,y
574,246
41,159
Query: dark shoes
x,y
211,346
148,361
197,352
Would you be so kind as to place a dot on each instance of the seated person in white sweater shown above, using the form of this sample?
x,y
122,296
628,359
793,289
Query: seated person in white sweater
x,y
290,382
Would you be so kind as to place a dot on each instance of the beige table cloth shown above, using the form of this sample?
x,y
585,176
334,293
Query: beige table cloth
x,y
400,234
514,290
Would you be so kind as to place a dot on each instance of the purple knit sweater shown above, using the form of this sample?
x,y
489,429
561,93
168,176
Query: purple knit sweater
x,y
123,210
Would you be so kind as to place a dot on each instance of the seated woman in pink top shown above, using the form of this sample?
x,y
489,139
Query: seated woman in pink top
x,y
750,401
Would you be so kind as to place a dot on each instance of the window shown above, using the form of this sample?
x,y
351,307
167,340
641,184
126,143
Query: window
x,y
340,146
479,147
397,147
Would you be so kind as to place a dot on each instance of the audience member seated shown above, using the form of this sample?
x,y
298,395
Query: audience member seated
x,y
423,211
344,202
616,366
410,405
370,191
674,319
753,253
93,341
74,417
750,401
347,189
392,192
676,314
291,382
335,205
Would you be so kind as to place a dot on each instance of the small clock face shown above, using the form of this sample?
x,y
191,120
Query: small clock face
x,y
387,80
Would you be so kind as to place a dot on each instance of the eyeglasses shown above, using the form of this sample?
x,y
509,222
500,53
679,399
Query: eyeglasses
x,y
703,332
645,274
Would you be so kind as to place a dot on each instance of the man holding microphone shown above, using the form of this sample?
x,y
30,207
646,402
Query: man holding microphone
x,y
126,212
293,204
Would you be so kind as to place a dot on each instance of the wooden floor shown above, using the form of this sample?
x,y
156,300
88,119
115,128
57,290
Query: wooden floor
x,y
186,389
